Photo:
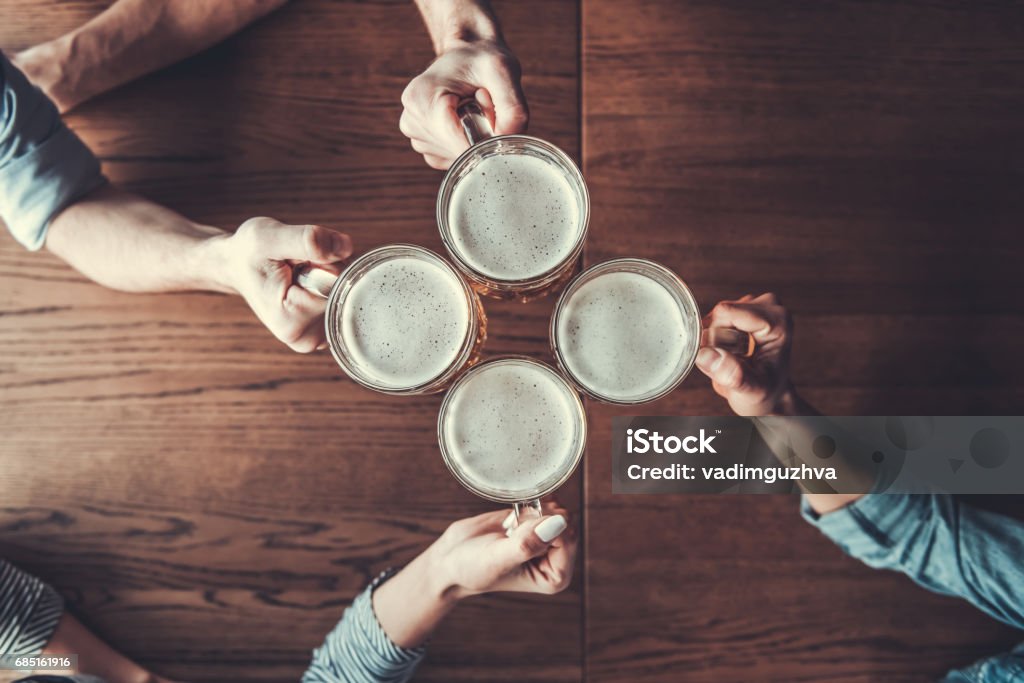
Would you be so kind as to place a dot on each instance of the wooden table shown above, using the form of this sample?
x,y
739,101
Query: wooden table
x,y
210,502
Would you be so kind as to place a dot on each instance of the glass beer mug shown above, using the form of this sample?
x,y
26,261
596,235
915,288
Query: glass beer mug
x,y
513,211
512,430
400,319
627,331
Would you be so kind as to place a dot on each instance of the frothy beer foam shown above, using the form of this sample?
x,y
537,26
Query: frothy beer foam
x,y
512,426
622,335
404,321
514,216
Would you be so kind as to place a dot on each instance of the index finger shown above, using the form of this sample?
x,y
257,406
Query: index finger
x,y
445,124
765,322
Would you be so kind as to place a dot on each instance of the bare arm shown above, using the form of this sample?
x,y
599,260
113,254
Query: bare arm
x,y
132,38
125,242
453,21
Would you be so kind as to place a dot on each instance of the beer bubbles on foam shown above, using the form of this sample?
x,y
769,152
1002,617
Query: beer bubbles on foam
x,y
512,426
514,216
622,335
405,321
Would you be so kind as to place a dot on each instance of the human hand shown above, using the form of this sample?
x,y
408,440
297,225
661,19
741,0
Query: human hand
x,y
260,258
45,67
484,69
758,385
475,555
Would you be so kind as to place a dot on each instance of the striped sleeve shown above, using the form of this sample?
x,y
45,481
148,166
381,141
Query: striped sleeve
x,y
359,651
29,612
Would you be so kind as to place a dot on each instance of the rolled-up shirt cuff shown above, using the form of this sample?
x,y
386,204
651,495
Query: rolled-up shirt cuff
x,y
358,650
44,166
29,612
868,527
36,187
374,633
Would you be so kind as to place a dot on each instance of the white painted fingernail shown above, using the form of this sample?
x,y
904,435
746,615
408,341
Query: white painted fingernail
x,y
551,528
510,521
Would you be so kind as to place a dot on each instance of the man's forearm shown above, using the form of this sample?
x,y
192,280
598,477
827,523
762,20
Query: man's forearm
x,y
791,404
125,242
458,21
132,38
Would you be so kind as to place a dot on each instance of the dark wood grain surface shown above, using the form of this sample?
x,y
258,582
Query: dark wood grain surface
x,y
209,501
862,160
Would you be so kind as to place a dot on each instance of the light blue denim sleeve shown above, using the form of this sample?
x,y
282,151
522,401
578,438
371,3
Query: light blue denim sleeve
x,y
359,651
943,545
44,167
1004,668
947,547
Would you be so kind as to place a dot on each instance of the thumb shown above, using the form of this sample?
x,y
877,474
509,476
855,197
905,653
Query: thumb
x,y
312,243
723,368
530,539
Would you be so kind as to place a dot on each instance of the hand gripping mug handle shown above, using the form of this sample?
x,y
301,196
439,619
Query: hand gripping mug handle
x,y
523,512
730,340
474,121
314,279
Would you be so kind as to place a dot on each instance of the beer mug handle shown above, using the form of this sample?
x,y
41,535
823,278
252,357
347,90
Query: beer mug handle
x,y
521,512
729,339
319,281
474,121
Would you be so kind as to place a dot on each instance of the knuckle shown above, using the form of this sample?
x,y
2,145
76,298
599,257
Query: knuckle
x,y
409,127
251,228
456,527
415,93
721,308
291,334
407,94
311,240
505,64
437,163
303,346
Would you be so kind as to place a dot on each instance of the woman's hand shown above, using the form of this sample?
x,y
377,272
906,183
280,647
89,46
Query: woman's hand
x,y
476,556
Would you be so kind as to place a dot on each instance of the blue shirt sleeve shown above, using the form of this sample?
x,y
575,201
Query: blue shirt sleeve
x,y
1004,668
941,544
359,651
44,167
